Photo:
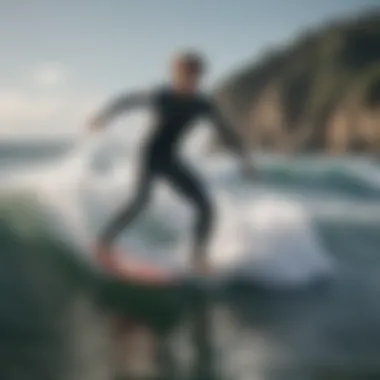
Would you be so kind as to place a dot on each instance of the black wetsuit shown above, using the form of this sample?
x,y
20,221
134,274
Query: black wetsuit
x,y
175,116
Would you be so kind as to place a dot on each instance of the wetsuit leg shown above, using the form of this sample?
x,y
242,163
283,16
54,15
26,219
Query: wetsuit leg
x,y
134,207
180,176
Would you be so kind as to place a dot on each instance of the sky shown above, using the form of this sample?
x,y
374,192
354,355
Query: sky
x,y
61,59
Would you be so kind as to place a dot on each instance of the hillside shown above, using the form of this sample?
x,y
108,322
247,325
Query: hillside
x,y
319,93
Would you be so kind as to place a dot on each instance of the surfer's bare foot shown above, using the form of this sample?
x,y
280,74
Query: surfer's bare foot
x,y
102,253
100,248
203,268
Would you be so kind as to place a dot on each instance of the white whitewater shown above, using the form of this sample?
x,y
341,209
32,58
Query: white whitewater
x,y
263,237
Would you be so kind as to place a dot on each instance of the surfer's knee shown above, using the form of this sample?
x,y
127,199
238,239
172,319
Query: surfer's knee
x,y
206,210
207,216
142,195
205,220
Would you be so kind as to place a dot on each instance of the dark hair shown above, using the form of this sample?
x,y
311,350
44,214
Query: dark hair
x,y
194,61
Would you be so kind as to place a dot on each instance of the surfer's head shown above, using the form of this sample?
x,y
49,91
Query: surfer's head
x,y
187,69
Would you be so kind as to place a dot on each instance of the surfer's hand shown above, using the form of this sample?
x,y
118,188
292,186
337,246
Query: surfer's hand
x,y
95,125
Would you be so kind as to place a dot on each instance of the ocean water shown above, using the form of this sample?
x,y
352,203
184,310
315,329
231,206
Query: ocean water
x,y
296,253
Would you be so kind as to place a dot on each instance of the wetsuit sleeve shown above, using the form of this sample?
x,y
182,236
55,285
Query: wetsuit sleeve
x,y
228,134
121,104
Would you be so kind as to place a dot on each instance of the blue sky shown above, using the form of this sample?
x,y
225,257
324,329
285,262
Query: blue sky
x,y
61,58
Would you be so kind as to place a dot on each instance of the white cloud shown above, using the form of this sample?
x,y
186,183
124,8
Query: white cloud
x,y
27,109
49,74
18,106
24,112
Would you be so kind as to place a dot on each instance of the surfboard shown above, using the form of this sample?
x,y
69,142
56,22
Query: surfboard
x,y
138,291
141,291
136,271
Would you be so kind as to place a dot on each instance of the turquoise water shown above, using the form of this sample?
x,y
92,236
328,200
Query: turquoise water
x,y
54,328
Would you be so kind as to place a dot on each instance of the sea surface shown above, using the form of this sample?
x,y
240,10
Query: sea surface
x,y
302,241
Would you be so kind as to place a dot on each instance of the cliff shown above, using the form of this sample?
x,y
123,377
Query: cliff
x,y
319,93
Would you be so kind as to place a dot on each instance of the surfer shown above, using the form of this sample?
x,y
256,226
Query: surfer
x,y
176,106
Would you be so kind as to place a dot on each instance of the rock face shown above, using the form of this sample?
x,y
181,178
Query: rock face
x,y
321,93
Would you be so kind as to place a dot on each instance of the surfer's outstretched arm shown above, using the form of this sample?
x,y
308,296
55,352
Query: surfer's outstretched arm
x,y
237,144
117,106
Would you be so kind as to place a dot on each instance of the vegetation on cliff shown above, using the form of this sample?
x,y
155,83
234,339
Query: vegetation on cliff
x,y
320,93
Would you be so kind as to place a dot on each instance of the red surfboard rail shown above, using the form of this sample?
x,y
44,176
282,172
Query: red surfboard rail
x,y
134,270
